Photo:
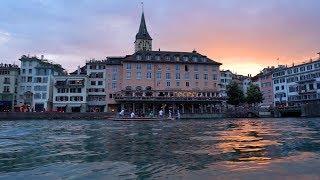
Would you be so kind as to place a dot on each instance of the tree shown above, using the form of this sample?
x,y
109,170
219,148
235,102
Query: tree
x,y
254,95
235,94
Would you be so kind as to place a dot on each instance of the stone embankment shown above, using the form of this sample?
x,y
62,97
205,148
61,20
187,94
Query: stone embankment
x,y
52,115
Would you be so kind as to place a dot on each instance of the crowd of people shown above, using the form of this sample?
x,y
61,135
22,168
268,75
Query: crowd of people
x,y
161,114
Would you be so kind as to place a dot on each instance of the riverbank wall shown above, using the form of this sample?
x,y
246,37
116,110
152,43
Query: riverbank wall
x,y
310,110
52,115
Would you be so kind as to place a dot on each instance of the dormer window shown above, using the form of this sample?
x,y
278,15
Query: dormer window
x,y
148,57
139,57
185,58
204,59
195,59
157,57
167,58
177,58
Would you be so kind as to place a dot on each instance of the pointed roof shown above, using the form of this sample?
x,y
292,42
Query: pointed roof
x,y
143,32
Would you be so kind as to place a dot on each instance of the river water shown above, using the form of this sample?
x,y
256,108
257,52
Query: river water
x,y
195,149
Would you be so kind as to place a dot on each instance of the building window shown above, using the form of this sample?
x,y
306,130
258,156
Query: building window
x,y
168,67
139,66
196,76
128,66
6,89
158,75
177,75
214,77
139,58
149,66
177,67
30,71
128,75
37,80
114,86
148,57
44,95
185,58
282,87
205,76
37,96
277,88
178,83
158,58
138,75
168,76
311,87
168,84
149,75
186,75
167,58
195,59
186,68
93,83
196,68
100,83
6,80
29,79
187,84
309,67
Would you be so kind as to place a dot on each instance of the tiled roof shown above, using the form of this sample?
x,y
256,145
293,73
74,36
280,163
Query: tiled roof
x,y
170,57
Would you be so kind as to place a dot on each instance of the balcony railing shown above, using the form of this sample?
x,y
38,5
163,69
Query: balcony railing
x,y
69,83
159,95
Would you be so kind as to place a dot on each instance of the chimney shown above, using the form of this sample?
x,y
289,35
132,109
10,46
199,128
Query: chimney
x,y
159,49
42,57
78,71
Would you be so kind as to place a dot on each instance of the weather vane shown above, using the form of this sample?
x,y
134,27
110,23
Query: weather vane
x,y
142,6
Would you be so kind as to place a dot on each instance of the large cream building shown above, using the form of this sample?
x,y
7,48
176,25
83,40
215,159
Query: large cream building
x,y
148,81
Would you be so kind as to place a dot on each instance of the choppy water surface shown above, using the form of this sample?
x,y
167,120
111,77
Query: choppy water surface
x,y
230,148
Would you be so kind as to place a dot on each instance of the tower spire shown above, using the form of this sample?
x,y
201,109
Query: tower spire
x,y
143,31
143,39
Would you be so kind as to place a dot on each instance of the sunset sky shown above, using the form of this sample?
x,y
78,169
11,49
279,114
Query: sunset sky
x,y
244,35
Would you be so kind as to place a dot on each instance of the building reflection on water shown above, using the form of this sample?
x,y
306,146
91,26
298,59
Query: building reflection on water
x,y
247,141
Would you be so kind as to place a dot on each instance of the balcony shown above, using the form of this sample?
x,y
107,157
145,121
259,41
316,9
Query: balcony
x,y
165,96
78,83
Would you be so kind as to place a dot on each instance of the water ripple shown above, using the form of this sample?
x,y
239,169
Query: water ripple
x,y
252,148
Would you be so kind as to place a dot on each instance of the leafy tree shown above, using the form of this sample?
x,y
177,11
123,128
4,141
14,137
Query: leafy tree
x,y
235,94
254,95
